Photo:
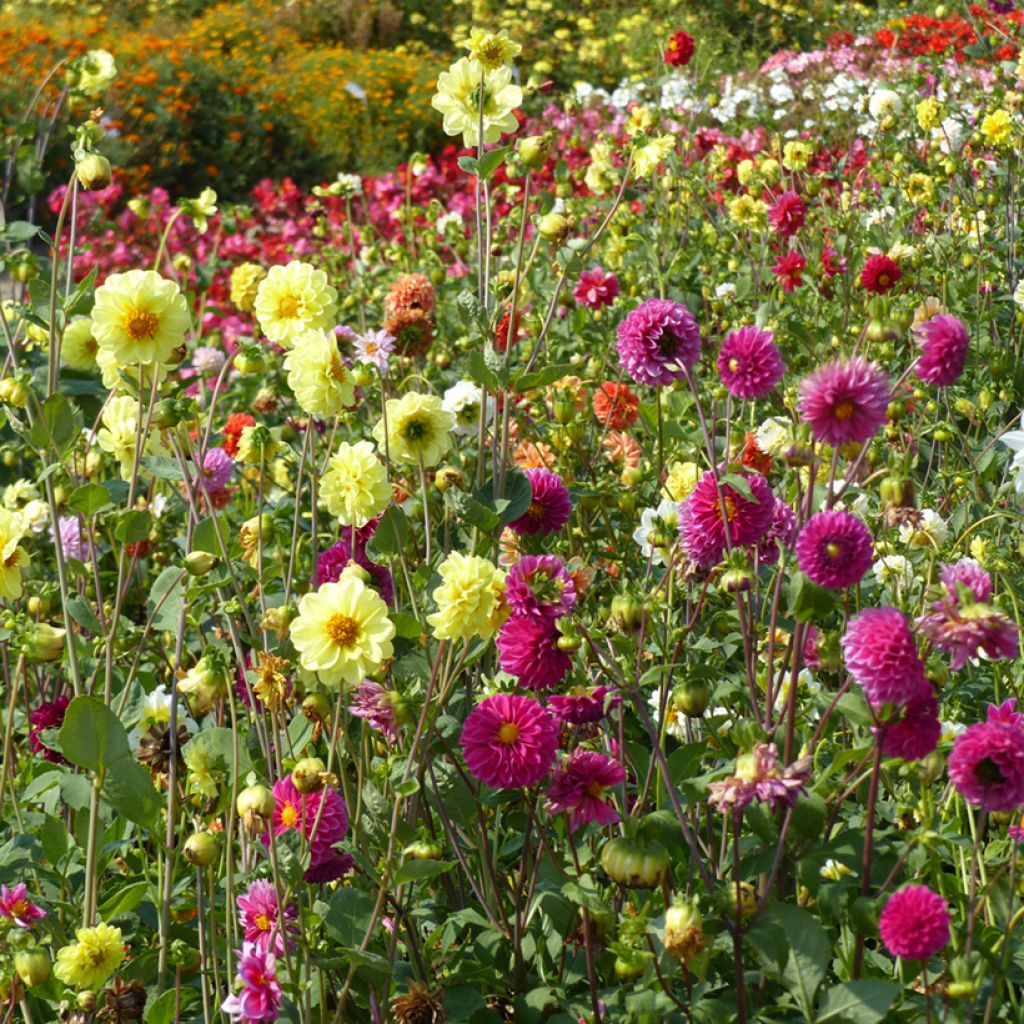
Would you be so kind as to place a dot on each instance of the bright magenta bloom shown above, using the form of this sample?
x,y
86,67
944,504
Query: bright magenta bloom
x,y
259,1000
915,923
749,363
704,528
509,741
658,342
845,401
579,785
834,549
986,765
297,810
550,508
17,907
880,274
882,657
944,341
595,288
583,706
915,734
258,915
787,214
528,649
540,584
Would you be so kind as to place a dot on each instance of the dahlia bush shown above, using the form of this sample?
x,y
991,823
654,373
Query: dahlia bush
x,y
573,576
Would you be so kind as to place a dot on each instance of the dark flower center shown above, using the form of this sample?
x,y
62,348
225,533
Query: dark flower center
x,y
988,772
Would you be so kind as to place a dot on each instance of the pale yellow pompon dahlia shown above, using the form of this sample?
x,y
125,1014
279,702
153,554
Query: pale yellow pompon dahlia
x,y
355,487
458,100
342,632
139,317
13,558
245,282
492,49
470,599
418,428
78,347
90,961
257,445
647,158
294,299
119,430
113,372
320,381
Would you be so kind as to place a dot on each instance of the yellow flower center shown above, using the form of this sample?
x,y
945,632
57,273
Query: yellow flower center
x,y
288,307
834,550
19,908
12,560
289,815
416,430
343,630
732,510
141,324
594,789
338,371
536,510
843,409
734,365
508,733
262,921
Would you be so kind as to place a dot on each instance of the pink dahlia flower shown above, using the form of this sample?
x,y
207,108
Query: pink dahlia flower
x,y
259,999
787,214
550,507
595,288
704,528
579,785
915,734
583,706
376,705
944,341
781,534
749,364
915,923
49,715
845,401
528,649
967,572
217,469
834,549
258,915
759,777
540,584
658,342
882,657
293,809
880,274
17,907
986,766
509,741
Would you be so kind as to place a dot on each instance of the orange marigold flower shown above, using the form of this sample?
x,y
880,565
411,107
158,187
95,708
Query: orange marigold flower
x,y
615,406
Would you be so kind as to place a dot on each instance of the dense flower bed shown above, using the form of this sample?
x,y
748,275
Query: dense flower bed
x,y
570,577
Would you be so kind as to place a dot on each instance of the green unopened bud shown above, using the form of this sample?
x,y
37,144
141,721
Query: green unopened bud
x,y
692,697
308,775
554,227
32,965
684,938
533,151
255,806
201,849
316,707
199,563
93,172
44,643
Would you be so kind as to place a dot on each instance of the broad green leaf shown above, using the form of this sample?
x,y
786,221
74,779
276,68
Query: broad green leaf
x,y
130,791
419,870
865,1001
91,736
89,499
81,611
133,526
807,601
810,950
538,378
348,916
391,533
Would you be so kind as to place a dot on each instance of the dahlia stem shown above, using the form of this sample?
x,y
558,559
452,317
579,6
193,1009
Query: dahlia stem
x,y
426,508
978,831
737,931
869,849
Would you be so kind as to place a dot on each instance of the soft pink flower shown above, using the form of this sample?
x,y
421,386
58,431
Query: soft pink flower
x,y
579,785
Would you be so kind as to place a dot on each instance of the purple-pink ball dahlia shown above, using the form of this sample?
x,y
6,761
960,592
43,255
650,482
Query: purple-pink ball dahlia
x,y
915,734
509,741
580,787
584,706
550,507
749,364
706,518
834,549
658,342
323,830
882,657
781,534
217,469
944,341
970,574
915,923
987,765
528,649
845,401
540,584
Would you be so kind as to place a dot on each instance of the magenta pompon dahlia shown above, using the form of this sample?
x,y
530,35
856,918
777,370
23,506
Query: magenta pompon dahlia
x,y
703,527
659,342
781,534
834,549
528,649
845,401
579,787
986,765
550,507
915,734
749,364
914,923
944,341
584,705
882,657
509,741
967,572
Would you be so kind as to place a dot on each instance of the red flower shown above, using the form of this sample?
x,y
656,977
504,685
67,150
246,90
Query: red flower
x,y
832,263
789,270
880,274
679,50
501,332
615,406
232,431
753,458
787,214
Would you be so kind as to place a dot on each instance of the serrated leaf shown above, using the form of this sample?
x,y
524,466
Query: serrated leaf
x,y
539,378
81,611
480,373
162,466
419,870
89,499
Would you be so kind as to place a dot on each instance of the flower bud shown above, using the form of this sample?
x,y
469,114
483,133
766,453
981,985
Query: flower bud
x,y
692,697
744,901
13,392
255,806
316,707
201,849
44,643
32,965
308,775
93,172
533,151
199,563
554,227
626,613
683,936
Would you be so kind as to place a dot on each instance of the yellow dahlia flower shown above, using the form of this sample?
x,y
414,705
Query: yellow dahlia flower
x,y
90,961
245,282
321,382
458,100
492,49
257,445
294,299
139,317
78,347
470,599
997,127
355,487
94,72
13,558
681,480
418,429
118,431
647,157
342,632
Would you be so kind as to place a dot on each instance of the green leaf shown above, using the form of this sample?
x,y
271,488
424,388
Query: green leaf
x,y
481,373
809,953
538,378
857,1002
418,870
124,901
741,485
471,512
89,499
348,916
59,426
165,1008
204,537
406,626
18,231
371,961
133,525
808,601
81,611
91,736
518,495
490,162
165,598
392,531
162,466
407,788
130,791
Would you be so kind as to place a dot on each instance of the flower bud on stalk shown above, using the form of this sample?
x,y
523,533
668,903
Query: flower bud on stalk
x,y
201,849
93,172
533,151
32,965
684,938
255,806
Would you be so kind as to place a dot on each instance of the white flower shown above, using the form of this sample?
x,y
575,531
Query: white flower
x,y
725,290
773,436
35,515
675,725
1018,294
1014,440
894,572
930,532
884,103
658,531
462,400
